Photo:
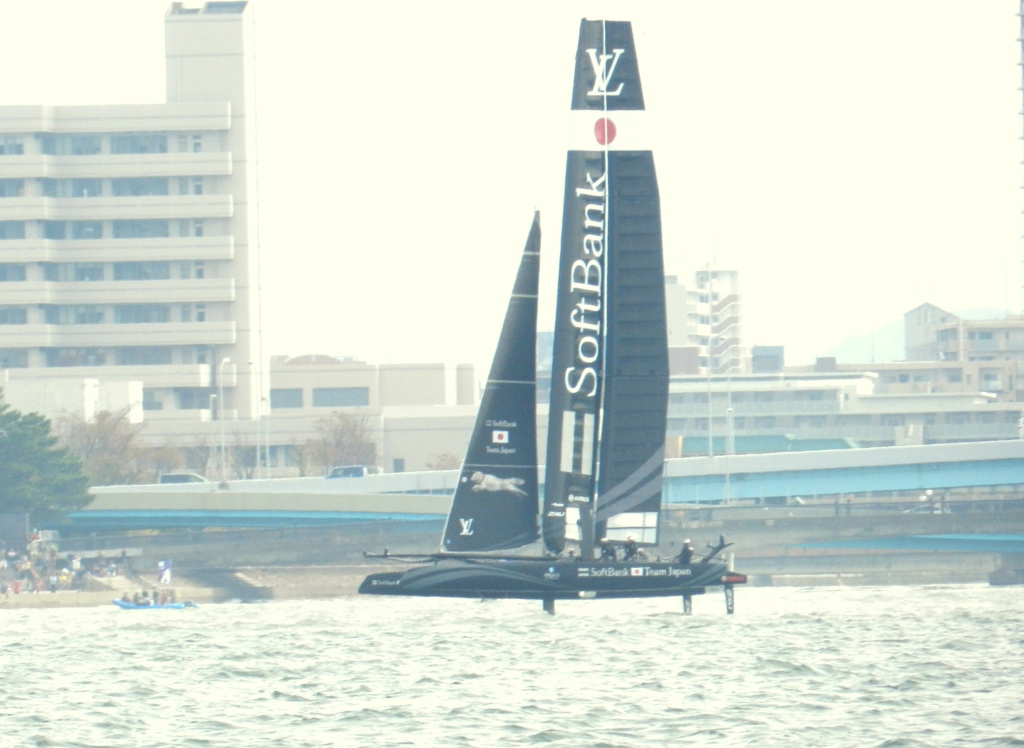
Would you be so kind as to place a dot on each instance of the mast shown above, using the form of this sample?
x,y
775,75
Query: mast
x,y
610,364
495,503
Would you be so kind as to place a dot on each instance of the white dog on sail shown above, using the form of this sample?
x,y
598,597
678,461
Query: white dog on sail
x,y
486,482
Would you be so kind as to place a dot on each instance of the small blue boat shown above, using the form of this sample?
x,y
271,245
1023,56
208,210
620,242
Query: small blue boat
x,y
127,605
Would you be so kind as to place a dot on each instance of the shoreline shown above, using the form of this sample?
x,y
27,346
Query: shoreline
x,y
327,582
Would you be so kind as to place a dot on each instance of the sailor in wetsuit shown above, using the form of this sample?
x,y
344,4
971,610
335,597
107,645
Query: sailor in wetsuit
x,y
630,550
685,553
608,551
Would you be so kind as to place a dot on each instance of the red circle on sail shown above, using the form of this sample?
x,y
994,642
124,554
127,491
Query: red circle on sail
x,y
604,131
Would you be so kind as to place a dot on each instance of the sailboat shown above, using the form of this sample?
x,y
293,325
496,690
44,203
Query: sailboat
x,y
609,390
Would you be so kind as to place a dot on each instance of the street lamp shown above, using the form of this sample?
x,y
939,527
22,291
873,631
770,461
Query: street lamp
x,y
256,465
220,415
728,453
266,444
213,413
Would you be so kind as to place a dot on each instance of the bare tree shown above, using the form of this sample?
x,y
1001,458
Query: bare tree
x,y
445,461
243,456
198,455
109,446
156,461
342,439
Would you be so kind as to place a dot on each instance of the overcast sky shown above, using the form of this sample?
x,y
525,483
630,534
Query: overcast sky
x,y
850,160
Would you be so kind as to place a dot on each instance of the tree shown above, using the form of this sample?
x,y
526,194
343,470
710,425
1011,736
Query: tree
x,y
445,461
342,439
108,446
38,476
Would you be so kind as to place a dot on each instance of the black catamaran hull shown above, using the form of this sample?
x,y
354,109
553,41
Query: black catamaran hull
x,y
550,579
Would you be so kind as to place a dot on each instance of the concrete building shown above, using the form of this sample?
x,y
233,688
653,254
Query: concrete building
x,y
127,235
799,411
705,330
982,354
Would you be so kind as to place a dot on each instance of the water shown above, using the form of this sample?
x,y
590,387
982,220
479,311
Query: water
x,y
867,666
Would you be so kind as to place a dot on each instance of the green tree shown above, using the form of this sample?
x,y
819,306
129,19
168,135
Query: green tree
x,y
36,475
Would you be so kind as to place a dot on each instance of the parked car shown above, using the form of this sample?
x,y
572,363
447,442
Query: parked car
x,y
182,478
347,471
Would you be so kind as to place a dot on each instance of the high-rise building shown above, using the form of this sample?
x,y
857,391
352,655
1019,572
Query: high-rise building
x,y
705,334
128,244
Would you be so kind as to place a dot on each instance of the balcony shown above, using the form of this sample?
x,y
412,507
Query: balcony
x,y
114,335
123,292
114,208
33,166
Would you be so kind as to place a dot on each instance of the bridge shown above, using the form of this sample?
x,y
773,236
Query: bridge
x,y
762,479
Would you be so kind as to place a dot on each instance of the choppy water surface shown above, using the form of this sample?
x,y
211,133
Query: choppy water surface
x,y
878,666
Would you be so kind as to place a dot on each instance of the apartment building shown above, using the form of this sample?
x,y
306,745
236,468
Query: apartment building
x,y
705,323
127,236
799,410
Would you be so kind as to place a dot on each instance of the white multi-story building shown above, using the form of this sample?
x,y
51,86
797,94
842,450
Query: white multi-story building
x,y
127,235
705,332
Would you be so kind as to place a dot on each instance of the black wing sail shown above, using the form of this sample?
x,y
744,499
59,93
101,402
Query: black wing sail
x,y
610,362
495,505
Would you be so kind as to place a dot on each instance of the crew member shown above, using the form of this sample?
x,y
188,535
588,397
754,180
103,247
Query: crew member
x,y
685,553
630,549
608,551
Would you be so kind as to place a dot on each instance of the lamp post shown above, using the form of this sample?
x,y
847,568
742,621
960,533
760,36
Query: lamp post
x,y
213,413
266,442
220,415
728,454
256,462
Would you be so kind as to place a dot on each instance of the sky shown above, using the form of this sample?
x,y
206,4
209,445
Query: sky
x,y
850,160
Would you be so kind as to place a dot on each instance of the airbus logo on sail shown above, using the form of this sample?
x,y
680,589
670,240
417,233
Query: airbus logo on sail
x,y
603,72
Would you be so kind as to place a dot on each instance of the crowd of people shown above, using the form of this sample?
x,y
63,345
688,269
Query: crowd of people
x,y
39,567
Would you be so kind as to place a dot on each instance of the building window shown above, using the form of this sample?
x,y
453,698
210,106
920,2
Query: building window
x,y
12,229
88,271
139,143
88,315
86,187
12,187
138,271
141,229
75,357
55,229
340,397
139,186
10,271
144,356
13,315
13,358
11,145
197,185
286,398
131,314
84,145
86,229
